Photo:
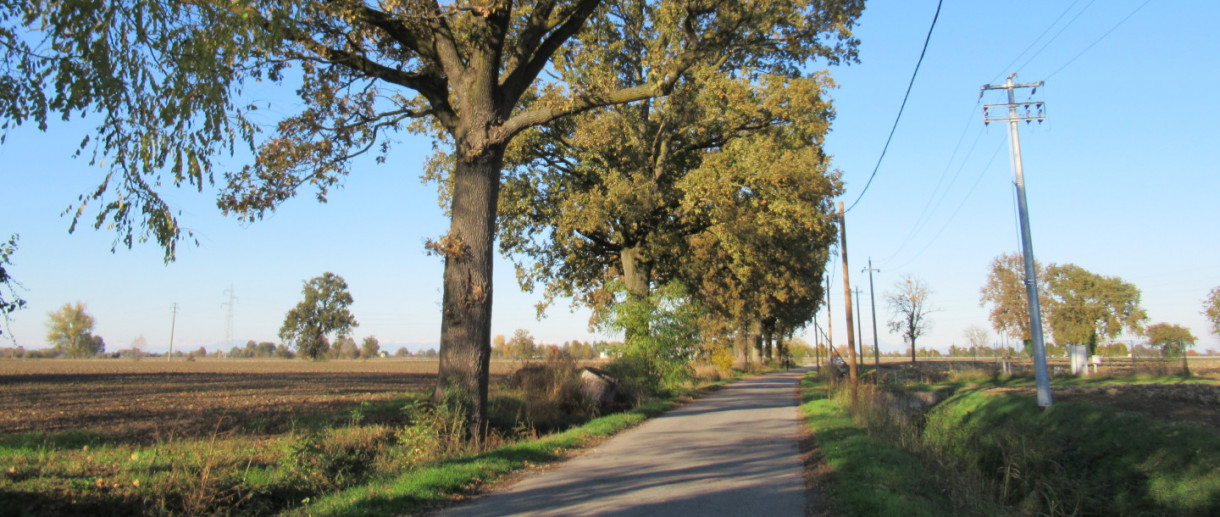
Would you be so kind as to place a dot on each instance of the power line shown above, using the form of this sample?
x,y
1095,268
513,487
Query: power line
x,y
900,108
1056,36
1098,40
1008,67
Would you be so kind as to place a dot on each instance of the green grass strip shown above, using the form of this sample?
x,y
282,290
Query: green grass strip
x,y
434,485
868,475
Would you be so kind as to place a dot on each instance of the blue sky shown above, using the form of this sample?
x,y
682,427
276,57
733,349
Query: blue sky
x,y
1120,181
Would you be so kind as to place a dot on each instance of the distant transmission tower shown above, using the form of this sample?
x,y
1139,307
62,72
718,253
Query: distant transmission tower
x,y
229,304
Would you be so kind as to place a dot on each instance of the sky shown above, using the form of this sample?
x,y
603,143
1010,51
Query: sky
x,y
1119,181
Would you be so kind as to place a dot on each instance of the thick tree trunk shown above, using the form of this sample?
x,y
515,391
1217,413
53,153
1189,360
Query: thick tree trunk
x,y
466,307
637,279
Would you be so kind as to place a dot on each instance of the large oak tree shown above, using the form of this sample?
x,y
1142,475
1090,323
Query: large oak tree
x,y
1085,306
165,80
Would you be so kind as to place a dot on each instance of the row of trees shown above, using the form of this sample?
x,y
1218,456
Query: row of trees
x,y
1080,307
714,180
523,346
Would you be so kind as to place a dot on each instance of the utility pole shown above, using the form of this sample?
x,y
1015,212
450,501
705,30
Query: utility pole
x,y
830,331
817,344
229,315
173,321
1041,375
847,303
859,333
873,301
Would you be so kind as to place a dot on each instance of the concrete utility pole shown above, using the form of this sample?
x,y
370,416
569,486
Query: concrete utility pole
x,y
232,301
859,333
873,301
847,303
173,321
1041,375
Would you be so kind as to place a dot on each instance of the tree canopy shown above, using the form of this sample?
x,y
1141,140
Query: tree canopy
x,y
1085,306
323,312
70,332
1005,292
1173,340
1211,309
9,301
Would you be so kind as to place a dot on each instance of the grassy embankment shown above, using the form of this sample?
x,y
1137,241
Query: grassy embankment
x,y
989,450
396,456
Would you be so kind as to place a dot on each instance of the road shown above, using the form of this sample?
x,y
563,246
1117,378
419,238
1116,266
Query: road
x,y
732,453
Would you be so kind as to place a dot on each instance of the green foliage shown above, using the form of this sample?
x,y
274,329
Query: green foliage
x,y
521,345
1211,309
321,313
370,347
1173,340
9,301
1085,306
70,332
662,336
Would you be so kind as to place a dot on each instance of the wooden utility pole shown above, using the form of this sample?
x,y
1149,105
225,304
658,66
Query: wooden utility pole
x,y
847,304
830,331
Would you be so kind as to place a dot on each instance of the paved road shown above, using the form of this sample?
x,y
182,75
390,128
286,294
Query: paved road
x,y
731,453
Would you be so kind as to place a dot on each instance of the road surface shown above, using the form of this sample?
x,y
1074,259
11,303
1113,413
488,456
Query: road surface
x,y
732,453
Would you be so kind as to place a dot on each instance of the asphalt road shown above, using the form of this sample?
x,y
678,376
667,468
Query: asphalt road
x,y
731,453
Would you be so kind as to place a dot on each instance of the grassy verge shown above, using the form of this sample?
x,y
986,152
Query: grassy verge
x,y
989,450
872,473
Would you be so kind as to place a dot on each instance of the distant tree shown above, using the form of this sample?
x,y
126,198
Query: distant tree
x,y
1006,293
521,346
138,345
9,301
1211,309
345,348
1173,340
370,347
1085,306
977,337
265,349
70,332
909,303
497,346
402,352
323,312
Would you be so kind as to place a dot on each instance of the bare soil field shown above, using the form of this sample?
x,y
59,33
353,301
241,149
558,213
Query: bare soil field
x,y
154,400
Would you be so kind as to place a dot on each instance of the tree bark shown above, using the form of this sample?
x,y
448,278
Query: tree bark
x,y
465,348
637,279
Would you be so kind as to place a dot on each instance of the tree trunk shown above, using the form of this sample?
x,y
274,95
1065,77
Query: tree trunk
x,y
465,347
912,350
637,278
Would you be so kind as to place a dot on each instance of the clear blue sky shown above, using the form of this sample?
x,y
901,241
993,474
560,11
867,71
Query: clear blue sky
x,y
1121,181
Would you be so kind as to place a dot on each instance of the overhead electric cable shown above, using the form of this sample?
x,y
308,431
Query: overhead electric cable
x,y
901,107
1056,36
1098,40
1008,68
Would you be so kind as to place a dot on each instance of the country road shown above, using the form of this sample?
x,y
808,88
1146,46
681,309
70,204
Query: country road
x,y
731,453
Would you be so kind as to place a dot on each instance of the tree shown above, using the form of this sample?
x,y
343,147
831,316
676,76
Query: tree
x,y
977,337
70,332
1211,309
344,348
9,301
1173,340
1084,306
909,303
370,347
521,345
497,346
1006,293
323,312
167,77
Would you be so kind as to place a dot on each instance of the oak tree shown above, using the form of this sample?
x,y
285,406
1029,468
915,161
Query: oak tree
x,y
909,302
1006,293
323,312
1084,306
167,81
1173,340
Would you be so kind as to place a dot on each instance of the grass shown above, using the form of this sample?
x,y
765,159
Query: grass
x,y
989,451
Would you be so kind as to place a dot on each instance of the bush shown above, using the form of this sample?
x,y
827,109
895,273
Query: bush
x,y
542,397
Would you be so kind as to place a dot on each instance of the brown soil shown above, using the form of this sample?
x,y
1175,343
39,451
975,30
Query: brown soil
x,y
146,402
1196,403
